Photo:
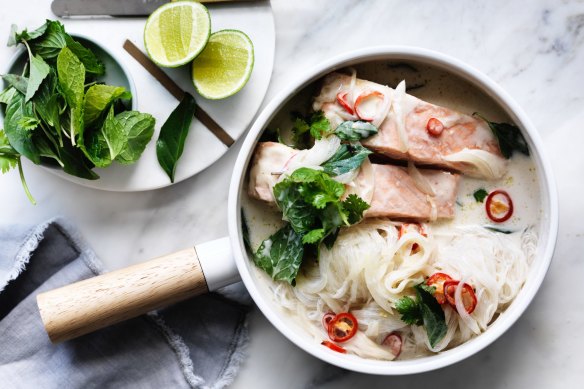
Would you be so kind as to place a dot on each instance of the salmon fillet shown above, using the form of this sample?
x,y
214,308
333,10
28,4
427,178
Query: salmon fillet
x,y
395,194
461,132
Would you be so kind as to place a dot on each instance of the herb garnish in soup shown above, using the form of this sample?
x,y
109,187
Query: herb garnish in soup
x,y
408,255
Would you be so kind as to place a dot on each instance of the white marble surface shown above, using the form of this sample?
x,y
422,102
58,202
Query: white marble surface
x,y
534,49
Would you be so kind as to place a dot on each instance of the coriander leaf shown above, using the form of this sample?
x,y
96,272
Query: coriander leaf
x,y
90,61
319,125
346,159
173,135
98,99
432,314
281,255
17,37
138,129
49,45
480,195
71,75
509,137
354,207
409,310
18,136
113,134
8,156
38,71
28,123
20,83
354,131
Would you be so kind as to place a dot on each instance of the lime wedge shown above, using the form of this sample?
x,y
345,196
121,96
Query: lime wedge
x,y
225,65
177,32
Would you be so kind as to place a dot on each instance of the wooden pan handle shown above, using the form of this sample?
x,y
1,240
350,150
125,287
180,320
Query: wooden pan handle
x,y
88,305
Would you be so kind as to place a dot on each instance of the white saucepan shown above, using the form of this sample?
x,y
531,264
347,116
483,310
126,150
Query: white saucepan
x,y
88,305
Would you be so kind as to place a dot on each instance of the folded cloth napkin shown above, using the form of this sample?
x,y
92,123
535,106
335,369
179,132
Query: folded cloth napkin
x,y
198,343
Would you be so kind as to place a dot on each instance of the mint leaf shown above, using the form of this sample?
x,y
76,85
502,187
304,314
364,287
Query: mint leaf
x,y
409,310
113,134
38,71
7,95
46,102
51,42
17,37
138,129
347,158
480,195
99,98
71,74
509,137
354,131
281,255
91,63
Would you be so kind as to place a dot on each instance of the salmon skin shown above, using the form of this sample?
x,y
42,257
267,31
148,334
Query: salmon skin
x,y
466,144
395,193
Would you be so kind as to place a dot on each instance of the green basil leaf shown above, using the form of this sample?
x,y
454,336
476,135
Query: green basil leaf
x,y
49,45
20,83
281,255
173,135
354,131
138,129
433,316
20,137
17,37
347,158
39,70
99,98
509,137
90,61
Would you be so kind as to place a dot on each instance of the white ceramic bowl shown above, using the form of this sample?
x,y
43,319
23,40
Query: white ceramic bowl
x,y
547,228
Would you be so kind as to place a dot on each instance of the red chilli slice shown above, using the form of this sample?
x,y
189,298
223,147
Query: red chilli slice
x,y
437,280
342,327
361,99
497,210
469,298
342,99
333,346
326,319
394,342
434,127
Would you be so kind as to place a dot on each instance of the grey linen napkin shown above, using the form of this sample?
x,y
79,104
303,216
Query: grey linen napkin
x,y
198,343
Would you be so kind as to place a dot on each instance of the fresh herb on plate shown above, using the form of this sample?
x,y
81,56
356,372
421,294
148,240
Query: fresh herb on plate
x,y
347,158
173,135
424,310
315,125
354,131
480,195
57,112
509,137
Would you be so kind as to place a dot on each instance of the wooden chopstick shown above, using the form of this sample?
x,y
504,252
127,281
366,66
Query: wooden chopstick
x,y
176,91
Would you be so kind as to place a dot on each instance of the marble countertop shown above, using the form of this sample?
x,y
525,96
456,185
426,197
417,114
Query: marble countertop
x,y
534,50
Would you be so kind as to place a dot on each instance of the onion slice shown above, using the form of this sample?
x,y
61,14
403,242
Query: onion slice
x,y
321,152
398,98
479,163
420,181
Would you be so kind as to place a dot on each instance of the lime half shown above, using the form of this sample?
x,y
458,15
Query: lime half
x,y
177,32
225,65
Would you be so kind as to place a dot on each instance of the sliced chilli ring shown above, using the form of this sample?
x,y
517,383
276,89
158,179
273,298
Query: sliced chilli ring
x,y
494,206
437,280
342,327
469,298
394,342
333,346
434,127
326,319
342,99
